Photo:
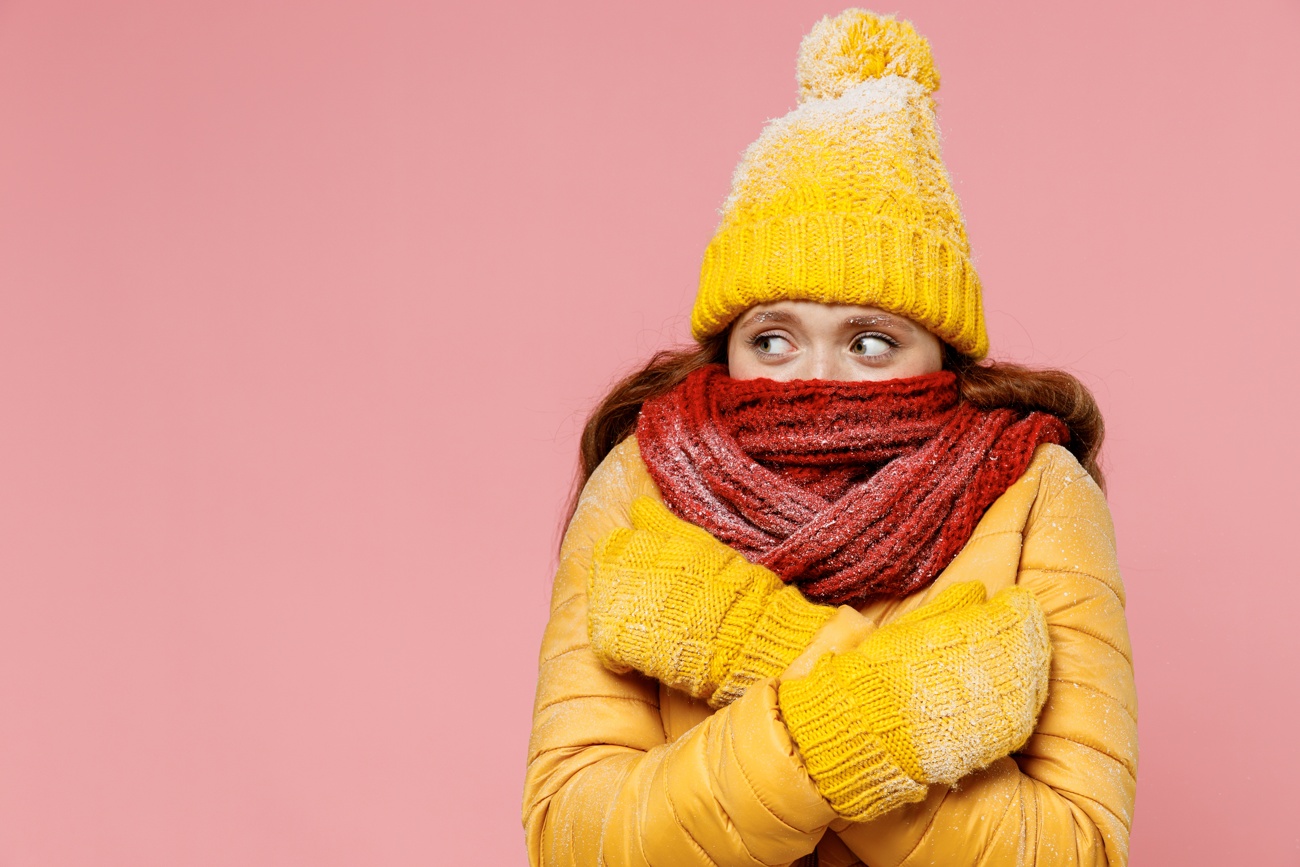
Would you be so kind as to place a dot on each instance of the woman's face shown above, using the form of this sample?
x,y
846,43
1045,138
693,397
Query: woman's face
x,y
788,340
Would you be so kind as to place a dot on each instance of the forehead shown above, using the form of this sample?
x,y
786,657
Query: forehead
x,y
816,313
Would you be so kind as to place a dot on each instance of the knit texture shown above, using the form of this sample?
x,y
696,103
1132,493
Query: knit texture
x,y
669,600
845,199
849,490
927,699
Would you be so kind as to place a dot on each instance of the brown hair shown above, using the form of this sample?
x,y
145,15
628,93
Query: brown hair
x,y
987,384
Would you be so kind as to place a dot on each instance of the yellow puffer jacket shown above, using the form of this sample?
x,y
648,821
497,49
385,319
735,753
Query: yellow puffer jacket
x,y
623,771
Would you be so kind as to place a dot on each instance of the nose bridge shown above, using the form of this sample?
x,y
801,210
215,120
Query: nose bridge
x,y
822,360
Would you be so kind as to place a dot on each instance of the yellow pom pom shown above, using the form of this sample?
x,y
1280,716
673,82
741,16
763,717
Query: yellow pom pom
x,y
855,46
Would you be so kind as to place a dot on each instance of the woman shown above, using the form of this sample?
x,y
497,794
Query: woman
x,y
833,592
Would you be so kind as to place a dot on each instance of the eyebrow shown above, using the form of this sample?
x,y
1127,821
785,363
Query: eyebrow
x,y
773,316
877,319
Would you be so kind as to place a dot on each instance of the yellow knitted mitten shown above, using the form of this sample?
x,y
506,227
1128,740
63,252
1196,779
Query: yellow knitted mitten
x,y
927,699
671,601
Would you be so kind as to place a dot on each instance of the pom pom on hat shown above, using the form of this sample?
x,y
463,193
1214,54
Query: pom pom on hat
x,y
842,52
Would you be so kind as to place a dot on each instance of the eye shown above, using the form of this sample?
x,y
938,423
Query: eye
x,y
772,344
873,345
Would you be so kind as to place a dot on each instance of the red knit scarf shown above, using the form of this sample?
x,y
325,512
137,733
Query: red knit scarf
x,y
850,490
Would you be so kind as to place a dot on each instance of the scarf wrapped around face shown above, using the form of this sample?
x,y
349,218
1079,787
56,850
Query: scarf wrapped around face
x,y
849,490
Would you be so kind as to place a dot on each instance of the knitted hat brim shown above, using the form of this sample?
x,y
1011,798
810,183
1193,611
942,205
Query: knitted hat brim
x,y
843,258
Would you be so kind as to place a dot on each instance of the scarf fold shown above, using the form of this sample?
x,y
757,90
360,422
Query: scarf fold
x,y
849,490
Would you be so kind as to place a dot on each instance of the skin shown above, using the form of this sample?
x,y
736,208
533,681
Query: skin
x,y
788,340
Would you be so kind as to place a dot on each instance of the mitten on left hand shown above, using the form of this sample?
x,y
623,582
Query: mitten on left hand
x,y
929,698
669,600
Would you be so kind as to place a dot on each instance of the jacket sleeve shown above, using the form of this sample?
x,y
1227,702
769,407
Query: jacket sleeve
x,y
603,786
1067,797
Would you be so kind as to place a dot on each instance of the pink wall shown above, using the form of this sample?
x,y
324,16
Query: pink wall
x,y
302,303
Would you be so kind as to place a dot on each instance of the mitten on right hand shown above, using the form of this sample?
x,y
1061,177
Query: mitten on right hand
x,y
671,601
926,699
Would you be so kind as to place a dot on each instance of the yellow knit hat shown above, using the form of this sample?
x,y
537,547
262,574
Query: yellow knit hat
x,y
845,200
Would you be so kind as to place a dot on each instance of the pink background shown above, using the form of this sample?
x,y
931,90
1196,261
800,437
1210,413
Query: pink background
x,y
302,305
